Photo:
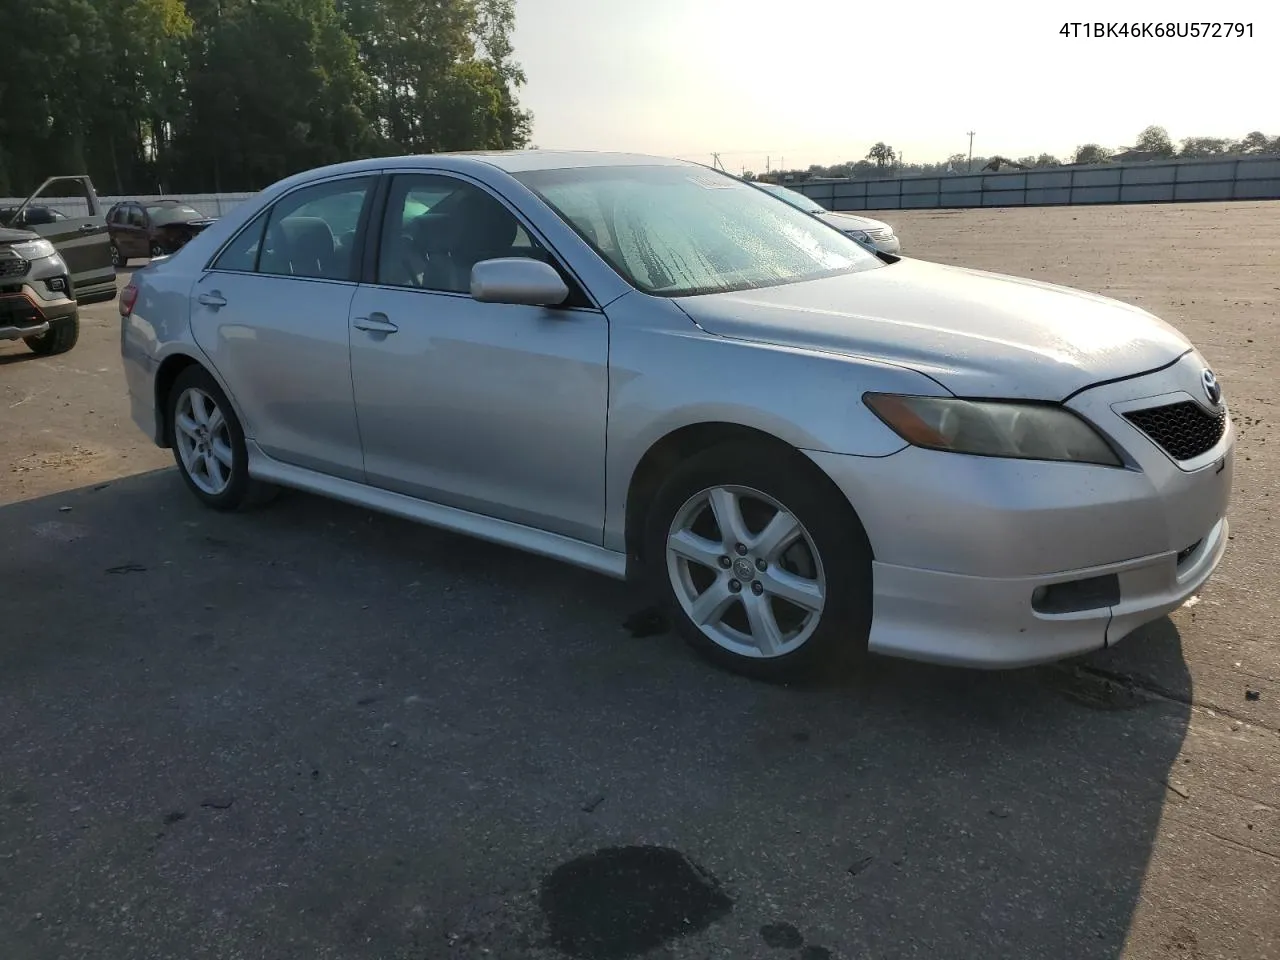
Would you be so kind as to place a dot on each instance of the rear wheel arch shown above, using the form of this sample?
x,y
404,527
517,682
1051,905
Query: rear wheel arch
x,y
170,369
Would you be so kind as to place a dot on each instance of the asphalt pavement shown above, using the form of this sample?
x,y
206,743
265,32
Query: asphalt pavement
x,y
311,731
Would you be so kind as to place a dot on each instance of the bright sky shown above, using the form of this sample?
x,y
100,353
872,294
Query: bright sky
x,y
819,81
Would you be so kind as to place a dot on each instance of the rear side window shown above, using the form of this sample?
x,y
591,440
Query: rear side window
x,y
241,254
136,217
309,233
312,232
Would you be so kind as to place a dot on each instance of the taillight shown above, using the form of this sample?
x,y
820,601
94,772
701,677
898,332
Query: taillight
x,y
128,297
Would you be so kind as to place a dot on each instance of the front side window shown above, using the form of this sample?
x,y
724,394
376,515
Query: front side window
x,y
681,230
437,228
312,231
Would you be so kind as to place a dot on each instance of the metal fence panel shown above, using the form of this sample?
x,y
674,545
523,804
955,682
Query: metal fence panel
x,y
1049,195
1234,178
1146,192
1204,190
1257,189
1048,178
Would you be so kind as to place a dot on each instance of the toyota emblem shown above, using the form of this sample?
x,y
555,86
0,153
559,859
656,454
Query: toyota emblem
x,y
1212,389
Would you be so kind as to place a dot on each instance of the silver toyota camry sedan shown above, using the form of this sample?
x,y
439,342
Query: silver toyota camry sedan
x,y
654,370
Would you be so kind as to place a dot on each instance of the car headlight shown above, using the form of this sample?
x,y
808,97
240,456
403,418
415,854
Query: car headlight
x,y
993,428
33,249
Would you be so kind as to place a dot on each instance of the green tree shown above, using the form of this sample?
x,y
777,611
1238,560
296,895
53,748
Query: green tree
x,y
1092,153
1155,140
274,87
882,155
1256,142
1199,147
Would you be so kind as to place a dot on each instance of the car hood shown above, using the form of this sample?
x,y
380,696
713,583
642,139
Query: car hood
x,y
196,225
847,221
17,236
978,334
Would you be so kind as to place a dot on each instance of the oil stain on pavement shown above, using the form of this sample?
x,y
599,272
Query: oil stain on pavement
x,y
620,902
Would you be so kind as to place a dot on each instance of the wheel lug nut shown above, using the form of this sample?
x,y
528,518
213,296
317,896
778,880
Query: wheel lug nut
x,y
734,586
757,587
761,565
725,562
742,549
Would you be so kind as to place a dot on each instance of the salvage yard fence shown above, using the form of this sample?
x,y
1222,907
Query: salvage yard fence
x,y
210,204
1174,181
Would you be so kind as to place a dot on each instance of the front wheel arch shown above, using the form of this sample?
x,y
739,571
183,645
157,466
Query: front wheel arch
x,y
673,449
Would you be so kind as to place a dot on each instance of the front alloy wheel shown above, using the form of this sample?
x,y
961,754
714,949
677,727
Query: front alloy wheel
x,y
762,563
745,571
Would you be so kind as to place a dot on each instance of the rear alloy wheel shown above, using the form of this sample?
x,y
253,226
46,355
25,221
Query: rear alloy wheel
x,y
765,567
59,338
117,261
208,444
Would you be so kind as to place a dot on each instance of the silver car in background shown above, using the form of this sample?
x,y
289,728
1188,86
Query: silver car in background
x,y
654,370
874,232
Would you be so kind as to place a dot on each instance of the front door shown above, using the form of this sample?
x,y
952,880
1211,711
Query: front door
x,y
81,237
272,316
498,409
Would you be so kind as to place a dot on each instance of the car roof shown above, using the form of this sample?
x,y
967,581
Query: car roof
x,y
509,161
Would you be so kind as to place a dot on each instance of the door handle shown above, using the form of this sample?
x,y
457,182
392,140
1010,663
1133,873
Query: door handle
x,y
212,299
86,227
375,323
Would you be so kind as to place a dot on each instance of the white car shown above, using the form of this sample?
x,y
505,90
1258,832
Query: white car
x,y
877,234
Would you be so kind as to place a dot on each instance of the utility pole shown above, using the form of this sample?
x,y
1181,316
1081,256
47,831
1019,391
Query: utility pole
x,y
716,164
969,169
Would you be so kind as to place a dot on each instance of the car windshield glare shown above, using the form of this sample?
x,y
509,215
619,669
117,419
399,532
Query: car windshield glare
x,y
170,214
795,198
677,231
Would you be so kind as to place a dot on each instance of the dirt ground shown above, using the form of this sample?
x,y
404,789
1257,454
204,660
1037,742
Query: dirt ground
x,y
313,732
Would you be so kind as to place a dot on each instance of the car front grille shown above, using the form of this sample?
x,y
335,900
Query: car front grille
x,y
12,265
18,311
1183,430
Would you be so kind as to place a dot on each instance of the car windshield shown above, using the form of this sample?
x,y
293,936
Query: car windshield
x,y
680,230
173,214
793,197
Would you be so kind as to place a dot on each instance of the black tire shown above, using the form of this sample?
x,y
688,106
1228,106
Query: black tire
x,y
117,261
59,338
157,250
840,637
242,491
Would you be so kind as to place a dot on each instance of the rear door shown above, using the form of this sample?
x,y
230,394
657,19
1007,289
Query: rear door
x,y
272,312
138,231
81,238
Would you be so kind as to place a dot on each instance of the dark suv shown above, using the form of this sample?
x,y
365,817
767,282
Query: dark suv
x,y
152,228
51,263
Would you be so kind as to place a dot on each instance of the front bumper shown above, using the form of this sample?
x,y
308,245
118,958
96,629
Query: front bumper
x,y
29,307
888,245
967,548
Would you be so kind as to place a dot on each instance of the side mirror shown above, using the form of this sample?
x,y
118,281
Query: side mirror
x,y
518,280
